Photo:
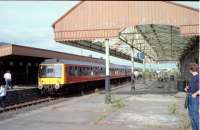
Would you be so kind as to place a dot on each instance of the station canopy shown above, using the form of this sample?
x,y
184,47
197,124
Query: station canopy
x,y
161,30
158,42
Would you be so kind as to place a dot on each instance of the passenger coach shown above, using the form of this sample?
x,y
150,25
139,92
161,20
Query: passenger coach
x,y
54,74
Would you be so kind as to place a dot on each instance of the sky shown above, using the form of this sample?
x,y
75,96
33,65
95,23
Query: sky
x,y
29,23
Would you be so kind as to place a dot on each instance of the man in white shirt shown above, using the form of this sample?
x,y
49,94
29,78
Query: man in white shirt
x,y
136,74
8,79
2,96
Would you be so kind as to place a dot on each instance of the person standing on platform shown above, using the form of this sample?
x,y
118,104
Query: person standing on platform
x,y
136,74
2,96
193,96
8,79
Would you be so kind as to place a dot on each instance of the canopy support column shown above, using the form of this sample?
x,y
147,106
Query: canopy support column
x,y
132,72
144,63
107,80
150,71
157,70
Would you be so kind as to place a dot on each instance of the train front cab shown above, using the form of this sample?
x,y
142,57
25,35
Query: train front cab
x,y
51,77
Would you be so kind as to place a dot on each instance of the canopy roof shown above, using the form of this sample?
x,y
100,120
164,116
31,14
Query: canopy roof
x,y
150,26
158,42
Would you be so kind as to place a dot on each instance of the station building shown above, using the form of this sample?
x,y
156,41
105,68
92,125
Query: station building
x,y
23,62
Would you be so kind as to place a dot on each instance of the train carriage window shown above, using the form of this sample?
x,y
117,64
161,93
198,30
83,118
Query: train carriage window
x,y
79,70
98,70
76,71
71,71
88,71
82,71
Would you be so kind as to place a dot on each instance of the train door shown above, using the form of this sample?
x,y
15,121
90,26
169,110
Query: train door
x,y
66,73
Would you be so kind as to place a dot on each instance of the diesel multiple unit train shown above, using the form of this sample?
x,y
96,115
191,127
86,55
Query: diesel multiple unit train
x,y
54,74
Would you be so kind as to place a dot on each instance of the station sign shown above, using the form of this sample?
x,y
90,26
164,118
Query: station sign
x,y
140,55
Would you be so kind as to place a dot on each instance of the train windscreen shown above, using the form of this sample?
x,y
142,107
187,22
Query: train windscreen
x,y
50,71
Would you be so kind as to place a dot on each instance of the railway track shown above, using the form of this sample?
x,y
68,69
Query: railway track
x,y
39,102
27,104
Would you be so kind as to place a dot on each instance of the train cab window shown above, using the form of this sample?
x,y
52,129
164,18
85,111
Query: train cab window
x,y
50,71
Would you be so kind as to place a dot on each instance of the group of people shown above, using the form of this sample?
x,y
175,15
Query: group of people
x,y
8,85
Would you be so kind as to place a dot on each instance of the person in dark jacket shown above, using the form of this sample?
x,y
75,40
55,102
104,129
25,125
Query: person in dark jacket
x,y
193,91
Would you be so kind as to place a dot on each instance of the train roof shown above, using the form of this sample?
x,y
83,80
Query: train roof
x,y
71,62
75,62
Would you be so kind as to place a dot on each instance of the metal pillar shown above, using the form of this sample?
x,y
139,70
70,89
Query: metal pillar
x,y
107,80
132,72
144,62
150,70
157,70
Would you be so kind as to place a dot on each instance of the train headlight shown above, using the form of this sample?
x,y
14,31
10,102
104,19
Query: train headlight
x,y
40,87
57,86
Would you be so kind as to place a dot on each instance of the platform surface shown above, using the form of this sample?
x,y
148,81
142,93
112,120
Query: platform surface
x,y
149,109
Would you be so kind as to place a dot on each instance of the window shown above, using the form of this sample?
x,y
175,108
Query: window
x,y
71,72
76,71
20,63
29,64
50,71
11,63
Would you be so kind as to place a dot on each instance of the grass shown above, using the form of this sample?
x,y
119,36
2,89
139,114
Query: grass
x,y
115,105
185,122
102,116
172,108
